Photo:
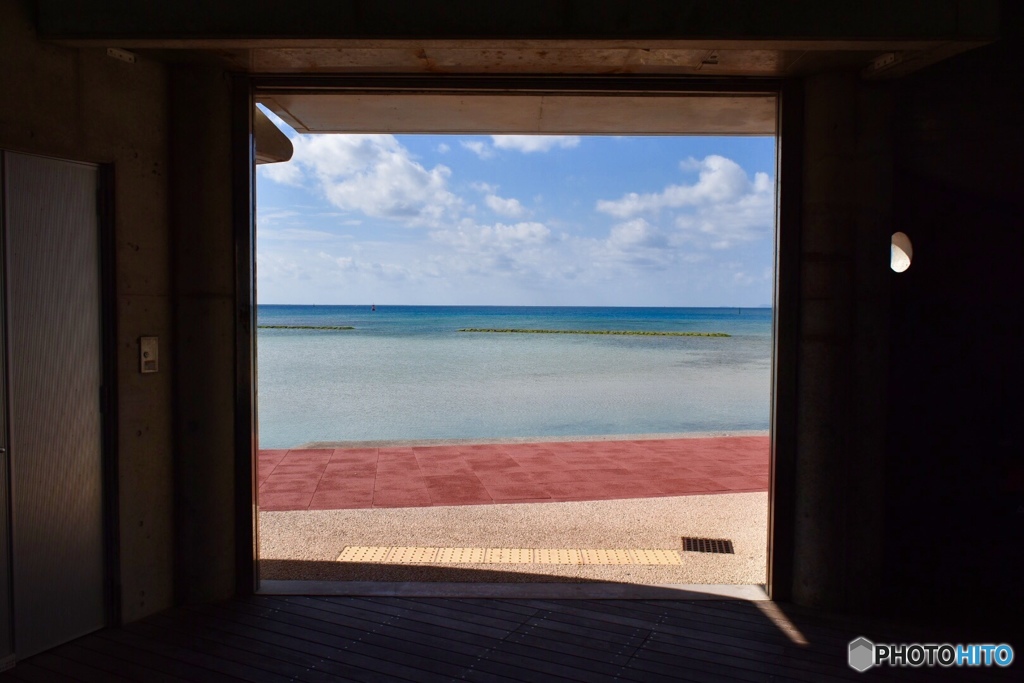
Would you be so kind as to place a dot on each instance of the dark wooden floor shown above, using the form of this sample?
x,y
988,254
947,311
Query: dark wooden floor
x,y
408,639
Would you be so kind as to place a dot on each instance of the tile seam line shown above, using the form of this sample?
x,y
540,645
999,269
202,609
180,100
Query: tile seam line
x,y
319,479
259,484
376,469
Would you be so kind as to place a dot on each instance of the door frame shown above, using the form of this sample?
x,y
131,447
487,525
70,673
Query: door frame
x,y
786,304
109,405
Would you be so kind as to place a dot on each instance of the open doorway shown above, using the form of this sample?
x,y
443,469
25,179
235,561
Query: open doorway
x,y
439,399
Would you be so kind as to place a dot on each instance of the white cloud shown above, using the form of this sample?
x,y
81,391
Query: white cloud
x,y
523,255
286,173
720,180
724,225
657,248
742,278
508,207
372,174
690,164
633,248
636,233
724,207
325,275
295,235
505,207
499,237
272,216
535,143
444,148
481,149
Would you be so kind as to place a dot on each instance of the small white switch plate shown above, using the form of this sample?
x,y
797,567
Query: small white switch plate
x,y
149,354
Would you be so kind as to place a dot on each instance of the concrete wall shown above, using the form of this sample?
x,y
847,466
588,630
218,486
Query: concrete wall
x,y
955,473
842,354
203,260
83,105
910,486
166,130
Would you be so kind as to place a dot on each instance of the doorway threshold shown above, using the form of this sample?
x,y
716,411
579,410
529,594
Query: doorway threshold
x,y
520,591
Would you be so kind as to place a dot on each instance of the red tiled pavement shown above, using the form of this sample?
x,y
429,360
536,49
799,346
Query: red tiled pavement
x,y
325,479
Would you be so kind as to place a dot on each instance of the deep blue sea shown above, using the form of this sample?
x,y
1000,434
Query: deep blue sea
x,y
406,372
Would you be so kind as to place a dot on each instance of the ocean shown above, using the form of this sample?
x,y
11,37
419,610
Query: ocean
x,y
406,372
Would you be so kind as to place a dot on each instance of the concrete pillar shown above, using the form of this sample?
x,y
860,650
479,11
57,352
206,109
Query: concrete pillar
x,y
203,277
843,343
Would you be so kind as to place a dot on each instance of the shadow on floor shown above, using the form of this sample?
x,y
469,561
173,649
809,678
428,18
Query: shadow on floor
x,y
312,570
301,638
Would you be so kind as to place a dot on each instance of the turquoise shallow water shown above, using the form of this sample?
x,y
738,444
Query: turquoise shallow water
x,y
406,372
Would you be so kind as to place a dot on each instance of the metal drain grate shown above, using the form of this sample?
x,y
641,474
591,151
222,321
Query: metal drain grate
x,y
708,545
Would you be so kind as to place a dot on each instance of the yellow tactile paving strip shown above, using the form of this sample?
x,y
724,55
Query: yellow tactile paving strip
x,y
355,553
460,555
406,555
423,555
508,556
557,556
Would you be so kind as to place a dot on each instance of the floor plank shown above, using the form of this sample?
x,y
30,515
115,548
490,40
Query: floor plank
x,y
266,639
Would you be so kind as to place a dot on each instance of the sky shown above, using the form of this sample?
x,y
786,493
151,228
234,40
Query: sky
x,y
540,220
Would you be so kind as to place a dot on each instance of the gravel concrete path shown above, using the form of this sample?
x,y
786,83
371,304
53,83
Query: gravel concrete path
x,y
305,544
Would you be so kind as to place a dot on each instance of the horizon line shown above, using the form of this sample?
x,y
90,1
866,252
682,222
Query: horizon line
x,y
512,305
